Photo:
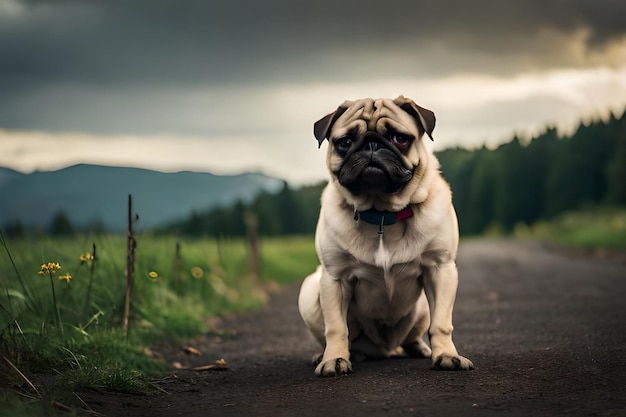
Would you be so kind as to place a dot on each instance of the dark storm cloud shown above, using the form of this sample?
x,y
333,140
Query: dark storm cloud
x,y
228,40
103,47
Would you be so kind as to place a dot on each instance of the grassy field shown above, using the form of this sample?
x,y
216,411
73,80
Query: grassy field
x,y
67,333
594,229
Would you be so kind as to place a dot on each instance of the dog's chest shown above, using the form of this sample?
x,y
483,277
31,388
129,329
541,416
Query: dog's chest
x,y
388,249
386,295
387,276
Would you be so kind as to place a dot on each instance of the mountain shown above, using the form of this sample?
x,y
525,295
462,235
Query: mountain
x,y
92,193
7,175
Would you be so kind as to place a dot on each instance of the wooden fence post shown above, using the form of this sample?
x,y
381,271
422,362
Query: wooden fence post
x,y
131,245
252,232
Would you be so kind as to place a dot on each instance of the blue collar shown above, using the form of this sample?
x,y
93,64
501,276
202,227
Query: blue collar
x,y
382,218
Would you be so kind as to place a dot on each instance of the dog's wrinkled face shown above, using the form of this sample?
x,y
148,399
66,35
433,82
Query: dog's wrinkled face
x,y
375,144
372,162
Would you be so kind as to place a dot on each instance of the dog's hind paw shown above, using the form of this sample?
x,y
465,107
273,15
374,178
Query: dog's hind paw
x,y
417,350
452,363
317,358
334,367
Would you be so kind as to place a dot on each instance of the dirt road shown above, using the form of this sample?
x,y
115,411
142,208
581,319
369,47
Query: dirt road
x,y
546,332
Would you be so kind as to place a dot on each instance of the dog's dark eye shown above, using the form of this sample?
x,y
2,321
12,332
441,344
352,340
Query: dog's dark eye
x,y
402,142
343,143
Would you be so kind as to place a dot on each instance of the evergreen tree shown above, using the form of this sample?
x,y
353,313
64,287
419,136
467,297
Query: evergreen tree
x,y
14,229
457,165
513,188
541,152
287,210
578,175
616,168
194,226
61,225
480,207
266,208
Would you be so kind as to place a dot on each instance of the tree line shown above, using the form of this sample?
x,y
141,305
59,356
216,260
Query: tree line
x,y
288,212
521,181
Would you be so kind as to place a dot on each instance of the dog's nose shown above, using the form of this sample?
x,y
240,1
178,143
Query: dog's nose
x,y
372,146
373,141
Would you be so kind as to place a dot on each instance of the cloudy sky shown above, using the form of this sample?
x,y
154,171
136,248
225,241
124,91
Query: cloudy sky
x,y
235,85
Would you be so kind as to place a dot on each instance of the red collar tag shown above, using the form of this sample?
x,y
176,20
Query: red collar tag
x,y
405,213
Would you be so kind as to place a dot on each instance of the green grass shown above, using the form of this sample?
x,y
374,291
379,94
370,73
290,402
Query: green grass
x,y
12,404
174,292
602,228
288,259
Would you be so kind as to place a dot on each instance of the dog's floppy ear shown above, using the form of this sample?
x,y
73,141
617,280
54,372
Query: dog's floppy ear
x,y
424,117
321,128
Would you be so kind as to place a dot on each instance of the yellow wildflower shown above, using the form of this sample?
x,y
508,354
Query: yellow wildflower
x,y
85,257
153,275
67,278
197,272
49,268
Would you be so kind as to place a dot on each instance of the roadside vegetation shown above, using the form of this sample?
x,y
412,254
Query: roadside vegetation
x,y
595,230
62,308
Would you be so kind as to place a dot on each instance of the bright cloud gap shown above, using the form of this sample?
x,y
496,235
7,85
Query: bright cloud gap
x,y
472,111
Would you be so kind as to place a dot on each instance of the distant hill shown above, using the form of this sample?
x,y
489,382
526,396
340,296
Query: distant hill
x,y
7,175
92,193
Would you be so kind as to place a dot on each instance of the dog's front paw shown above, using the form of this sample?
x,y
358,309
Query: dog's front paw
x,y
452,363
334,367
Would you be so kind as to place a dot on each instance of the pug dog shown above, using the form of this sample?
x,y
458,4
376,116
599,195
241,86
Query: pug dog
x,y
386,238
